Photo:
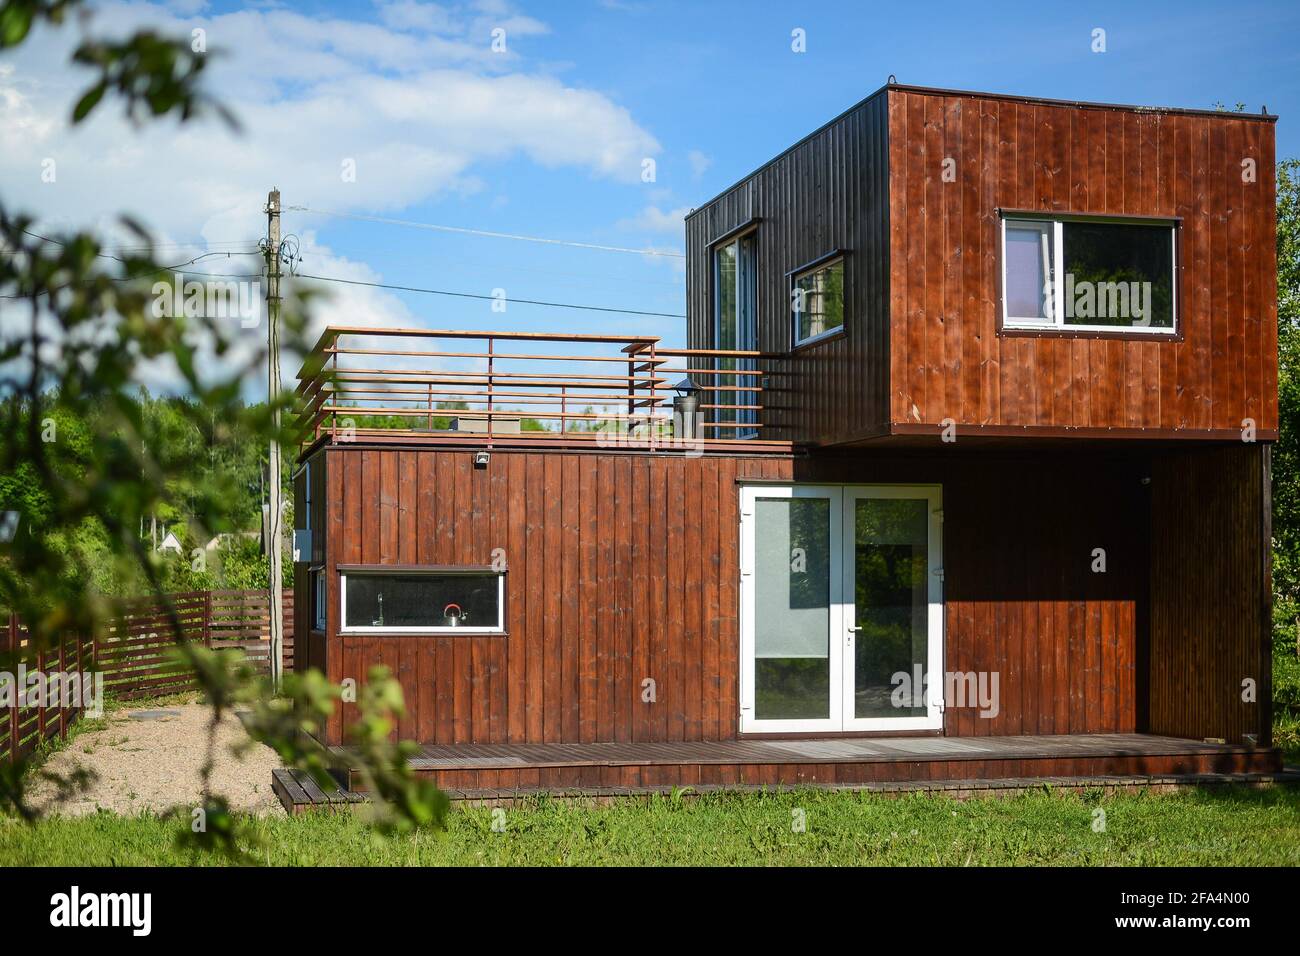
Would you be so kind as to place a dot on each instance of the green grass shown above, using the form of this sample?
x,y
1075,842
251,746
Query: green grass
x,y
1286,702
1220,826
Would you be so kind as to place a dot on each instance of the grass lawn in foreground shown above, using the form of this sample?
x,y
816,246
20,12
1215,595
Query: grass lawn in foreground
x,y
1216,826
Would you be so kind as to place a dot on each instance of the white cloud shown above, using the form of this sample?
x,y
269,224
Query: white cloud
x,y
654,219
409,15
699,163
417,114
417,101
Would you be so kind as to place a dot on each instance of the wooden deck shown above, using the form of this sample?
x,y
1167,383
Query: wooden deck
x,y
298,792
501,775
825,761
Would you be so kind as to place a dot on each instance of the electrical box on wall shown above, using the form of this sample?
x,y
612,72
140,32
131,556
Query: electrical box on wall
x,y
302,545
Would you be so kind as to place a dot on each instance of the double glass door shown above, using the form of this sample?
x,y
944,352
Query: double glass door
x,y
841,608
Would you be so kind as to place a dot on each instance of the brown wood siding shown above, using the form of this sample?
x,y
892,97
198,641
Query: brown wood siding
x,y
829,192
1020,597
1210,593
950,361
624,567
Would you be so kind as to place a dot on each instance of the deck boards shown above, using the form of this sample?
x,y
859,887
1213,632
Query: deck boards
x,y
815,751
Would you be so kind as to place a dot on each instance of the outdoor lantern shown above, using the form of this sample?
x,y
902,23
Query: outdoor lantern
x,y
686,404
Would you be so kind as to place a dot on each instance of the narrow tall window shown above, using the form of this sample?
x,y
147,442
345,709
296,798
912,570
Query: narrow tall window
x,y
735,327
318,599
1089,274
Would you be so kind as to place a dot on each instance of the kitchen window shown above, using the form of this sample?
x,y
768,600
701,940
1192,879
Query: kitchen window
x,y
445,601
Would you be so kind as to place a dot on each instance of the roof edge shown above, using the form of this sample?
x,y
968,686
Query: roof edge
x,y
978,94
1083,104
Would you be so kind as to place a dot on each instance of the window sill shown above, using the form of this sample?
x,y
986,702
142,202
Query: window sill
x,y
421,632
1017,331
822,339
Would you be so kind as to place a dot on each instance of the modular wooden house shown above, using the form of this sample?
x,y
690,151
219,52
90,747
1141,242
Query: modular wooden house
x,y
963,473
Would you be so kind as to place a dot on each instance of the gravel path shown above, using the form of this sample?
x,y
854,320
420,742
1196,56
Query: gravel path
x,y
154,765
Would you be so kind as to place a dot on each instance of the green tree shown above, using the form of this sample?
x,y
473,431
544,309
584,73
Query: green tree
x,y
89,462
1286,452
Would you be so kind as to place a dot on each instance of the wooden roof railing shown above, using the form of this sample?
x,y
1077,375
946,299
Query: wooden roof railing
x,y
602,389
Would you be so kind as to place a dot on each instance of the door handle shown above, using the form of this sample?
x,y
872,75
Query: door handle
x,y
854,628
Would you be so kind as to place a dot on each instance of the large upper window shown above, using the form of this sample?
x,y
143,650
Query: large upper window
x,y
441,601
1089,275
817,301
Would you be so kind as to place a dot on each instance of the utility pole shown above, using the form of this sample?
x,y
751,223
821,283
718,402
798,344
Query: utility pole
x,y
273,400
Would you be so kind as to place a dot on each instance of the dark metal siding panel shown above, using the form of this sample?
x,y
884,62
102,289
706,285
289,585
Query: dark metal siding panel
x,y
1082,159
1209,593
830,192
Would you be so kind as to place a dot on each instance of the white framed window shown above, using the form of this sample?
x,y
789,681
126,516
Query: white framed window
x,y
1089,274
420,601
318,599
817,301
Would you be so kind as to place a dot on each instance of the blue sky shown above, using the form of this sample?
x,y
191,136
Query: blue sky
x,y
547,139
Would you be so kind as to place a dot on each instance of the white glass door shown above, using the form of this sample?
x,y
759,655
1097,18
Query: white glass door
x,y
893,608
840,595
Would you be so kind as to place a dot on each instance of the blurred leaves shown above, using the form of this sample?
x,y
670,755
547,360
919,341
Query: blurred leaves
x,y
151,75
18,16
402,802
79,333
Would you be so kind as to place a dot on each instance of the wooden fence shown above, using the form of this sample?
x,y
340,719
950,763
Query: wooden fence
x,y
133,655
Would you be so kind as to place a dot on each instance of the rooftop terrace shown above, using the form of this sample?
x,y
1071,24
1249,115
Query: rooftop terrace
x,y
490,389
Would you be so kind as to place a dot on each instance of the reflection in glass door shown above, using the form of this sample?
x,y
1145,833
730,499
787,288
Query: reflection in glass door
x,y
840,595
893,606
792,604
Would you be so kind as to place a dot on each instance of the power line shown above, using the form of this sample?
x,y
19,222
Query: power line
x,y
140,275
471,295
513,267
357,282
483,232
124,249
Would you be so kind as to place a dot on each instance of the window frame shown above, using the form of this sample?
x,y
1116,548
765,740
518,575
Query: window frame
x,y
319,597
1056,324
794,275
746,230
381,571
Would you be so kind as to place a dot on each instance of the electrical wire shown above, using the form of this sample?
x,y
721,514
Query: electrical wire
x,y
483,232
358,282
141,275
471,295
